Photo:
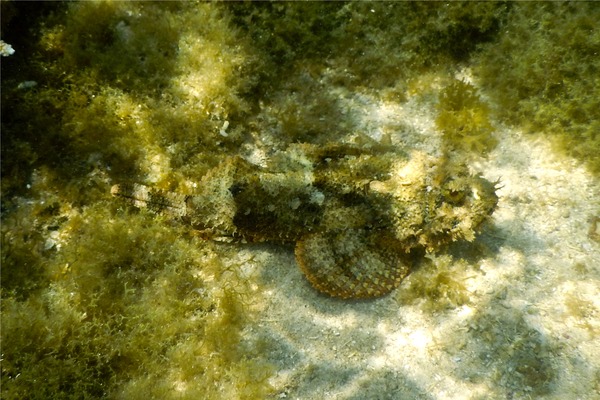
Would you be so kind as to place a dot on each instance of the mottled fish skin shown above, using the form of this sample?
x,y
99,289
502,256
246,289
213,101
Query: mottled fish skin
x,y
353,213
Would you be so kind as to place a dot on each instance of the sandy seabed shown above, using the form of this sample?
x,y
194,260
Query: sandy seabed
x,y
530,329
531,326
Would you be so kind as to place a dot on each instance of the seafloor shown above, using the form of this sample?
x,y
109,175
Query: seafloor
x,y
104,300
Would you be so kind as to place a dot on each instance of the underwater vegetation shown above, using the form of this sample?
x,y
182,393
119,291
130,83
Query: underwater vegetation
x,y
441,282
97,302
100,300
123,296
464,120
542,75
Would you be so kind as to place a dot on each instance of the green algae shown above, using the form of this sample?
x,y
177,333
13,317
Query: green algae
x,y
126,307
464,120
98,302
104,302
441,282
368,45
542,75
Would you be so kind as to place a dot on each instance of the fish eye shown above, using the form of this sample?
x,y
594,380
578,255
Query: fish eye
x,y
454,196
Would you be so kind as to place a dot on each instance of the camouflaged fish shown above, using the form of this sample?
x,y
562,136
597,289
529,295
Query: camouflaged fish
x,y
354,214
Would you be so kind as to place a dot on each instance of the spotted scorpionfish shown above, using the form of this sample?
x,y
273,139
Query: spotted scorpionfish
x,y
354,214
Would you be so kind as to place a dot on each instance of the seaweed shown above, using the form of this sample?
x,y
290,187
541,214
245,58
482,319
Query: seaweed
x,y
464,119
542,75
98,302
439,283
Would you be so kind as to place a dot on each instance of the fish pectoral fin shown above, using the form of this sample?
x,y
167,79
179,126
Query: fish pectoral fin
x,y
351,263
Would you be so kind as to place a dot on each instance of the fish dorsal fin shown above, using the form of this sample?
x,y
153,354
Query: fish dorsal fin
x,y
352,263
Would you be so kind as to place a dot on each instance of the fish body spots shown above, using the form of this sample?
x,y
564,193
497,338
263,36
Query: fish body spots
x,y
353,214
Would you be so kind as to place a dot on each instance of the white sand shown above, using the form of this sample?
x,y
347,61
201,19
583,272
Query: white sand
x,y
531,329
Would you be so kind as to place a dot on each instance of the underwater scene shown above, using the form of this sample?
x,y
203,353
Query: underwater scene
x,y
300,200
